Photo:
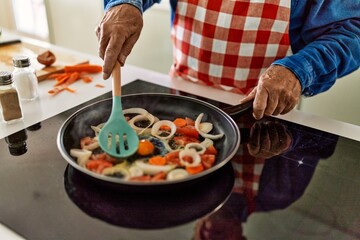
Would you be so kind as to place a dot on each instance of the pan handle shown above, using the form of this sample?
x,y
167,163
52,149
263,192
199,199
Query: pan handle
x,y
240,108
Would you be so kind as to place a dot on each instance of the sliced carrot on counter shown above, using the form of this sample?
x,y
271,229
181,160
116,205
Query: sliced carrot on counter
x,y
99,86
70,89
71,74
89,68
86,79
157,160
54,75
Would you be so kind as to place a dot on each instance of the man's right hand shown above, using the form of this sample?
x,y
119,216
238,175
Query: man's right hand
x,y
117,33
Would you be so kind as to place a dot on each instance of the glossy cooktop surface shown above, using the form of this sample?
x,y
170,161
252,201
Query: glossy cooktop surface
x,y
286,181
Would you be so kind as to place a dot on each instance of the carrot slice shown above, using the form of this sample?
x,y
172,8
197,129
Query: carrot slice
x,y
157,160
99,86
61,79
145,147
54,75
86,79
70,89
195,170
89,68
180,122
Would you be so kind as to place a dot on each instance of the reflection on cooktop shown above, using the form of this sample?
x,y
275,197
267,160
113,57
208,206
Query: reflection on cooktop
x,y
151,209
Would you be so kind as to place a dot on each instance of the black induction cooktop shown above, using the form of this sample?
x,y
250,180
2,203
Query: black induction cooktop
x,y
287,181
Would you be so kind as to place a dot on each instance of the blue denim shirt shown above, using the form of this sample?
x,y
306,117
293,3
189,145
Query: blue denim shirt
x,y
324,37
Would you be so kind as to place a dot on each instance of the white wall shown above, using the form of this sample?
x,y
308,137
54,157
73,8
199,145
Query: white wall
x,y
341,102
72,23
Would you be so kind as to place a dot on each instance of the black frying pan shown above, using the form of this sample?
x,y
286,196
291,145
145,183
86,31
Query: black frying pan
x,y
164,106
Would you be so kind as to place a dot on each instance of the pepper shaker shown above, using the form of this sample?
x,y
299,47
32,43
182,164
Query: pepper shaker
x,y
9,98
25,78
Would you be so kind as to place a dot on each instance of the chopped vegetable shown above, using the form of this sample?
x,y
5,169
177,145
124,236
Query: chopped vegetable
x,y
176,174
157,160
145,147
189,158
168,150
180,122
153,169
203,134
89,68
98,165
194,170
155,130
72,74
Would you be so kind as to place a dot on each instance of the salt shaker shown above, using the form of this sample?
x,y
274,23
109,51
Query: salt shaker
x,y
25,78
9,98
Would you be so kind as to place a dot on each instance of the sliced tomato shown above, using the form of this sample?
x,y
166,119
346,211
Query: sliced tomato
x,y
188,131
190,121
207,160
98,165
159,177
211,150
183,140
173,158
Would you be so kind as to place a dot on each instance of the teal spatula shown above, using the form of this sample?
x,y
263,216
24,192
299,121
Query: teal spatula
x,y
116,137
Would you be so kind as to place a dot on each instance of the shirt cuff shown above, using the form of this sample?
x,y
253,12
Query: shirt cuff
x,y
302,69
136,3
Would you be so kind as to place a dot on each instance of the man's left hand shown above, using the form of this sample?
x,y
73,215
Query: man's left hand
x,y
277,92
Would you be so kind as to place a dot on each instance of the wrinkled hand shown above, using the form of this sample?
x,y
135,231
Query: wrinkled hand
x,y
117,33
268,139
277,92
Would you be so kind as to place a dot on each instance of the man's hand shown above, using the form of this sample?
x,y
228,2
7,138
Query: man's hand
x,y
277,92
117,33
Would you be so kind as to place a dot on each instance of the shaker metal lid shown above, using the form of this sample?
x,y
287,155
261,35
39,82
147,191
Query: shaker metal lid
x,y
5,78
21,61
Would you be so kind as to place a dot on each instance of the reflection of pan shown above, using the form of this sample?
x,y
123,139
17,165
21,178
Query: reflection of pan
x,y
149,210
163,106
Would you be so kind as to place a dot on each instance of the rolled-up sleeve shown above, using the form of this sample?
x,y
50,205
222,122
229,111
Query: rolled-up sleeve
x,y
325,39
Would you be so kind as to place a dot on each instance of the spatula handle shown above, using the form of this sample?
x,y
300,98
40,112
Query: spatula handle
x,y
116,80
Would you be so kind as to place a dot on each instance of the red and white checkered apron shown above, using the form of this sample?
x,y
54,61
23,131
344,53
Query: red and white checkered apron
x,y
228,44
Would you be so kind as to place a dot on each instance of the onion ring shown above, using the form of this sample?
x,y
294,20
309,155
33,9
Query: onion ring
x,y
155,130
196,159
203,134
198,147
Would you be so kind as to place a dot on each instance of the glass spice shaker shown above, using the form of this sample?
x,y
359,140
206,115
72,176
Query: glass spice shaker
x,y
25,78
9,98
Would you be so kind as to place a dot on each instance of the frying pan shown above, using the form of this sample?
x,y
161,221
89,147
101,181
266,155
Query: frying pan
x,y
163,106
